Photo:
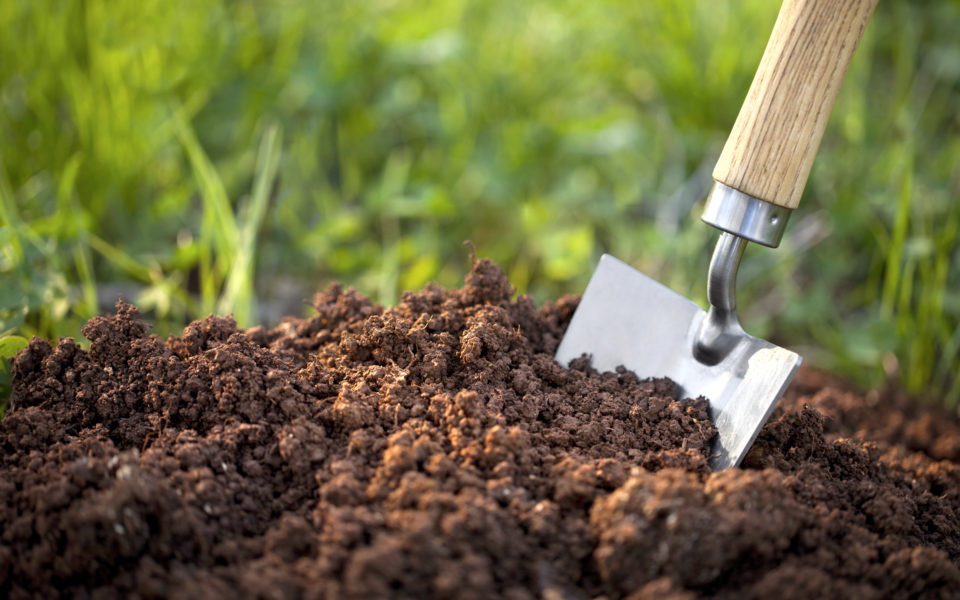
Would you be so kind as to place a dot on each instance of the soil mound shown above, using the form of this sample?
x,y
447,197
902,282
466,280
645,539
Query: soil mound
x,y
434,449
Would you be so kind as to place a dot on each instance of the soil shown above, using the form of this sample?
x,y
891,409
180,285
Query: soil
x,y
435,450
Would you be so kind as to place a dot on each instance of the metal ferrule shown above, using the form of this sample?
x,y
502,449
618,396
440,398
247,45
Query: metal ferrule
x,y
743,215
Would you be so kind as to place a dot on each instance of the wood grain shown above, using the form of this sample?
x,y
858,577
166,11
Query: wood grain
x,y
777,133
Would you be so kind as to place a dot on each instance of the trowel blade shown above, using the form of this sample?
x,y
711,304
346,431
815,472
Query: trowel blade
x,y
626,318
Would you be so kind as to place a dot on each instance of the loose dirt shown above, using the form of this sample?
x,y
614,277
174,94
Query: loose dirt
x,y
434,449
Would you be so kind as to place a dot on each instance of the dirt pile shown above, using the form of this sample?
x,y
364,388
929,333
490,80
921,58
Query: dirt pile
x,y
434,449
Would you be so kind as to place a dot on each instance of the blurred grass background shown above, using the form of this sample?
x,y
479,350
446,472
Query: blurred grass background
x,y
236,156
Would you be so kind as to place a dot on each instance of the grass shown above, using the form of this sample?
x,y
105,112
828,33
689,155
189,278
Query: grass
x,y
229,156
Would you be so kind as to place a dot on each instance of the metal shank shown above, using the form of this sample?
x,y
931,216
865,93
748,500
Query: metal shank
x,y
743,215
720,331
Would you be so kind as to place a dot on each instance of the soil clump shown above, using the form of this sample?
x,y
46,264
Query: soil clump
x,y
435,449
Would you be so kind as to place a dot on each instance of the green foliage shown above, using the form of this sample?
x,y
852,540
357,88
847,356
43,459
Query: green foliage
x,y
9,346
142,152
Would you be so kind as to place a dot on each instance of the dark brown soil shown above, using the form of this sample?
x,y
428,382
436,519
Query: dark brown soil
x,y
435,450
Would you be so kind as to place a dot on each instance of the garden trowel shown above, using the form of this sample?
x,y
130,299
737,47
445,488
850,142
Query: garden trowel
x,y
626,318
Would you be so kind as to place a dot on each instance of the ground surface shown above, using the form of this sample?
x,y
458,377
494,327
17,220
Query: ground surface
x,y
434,449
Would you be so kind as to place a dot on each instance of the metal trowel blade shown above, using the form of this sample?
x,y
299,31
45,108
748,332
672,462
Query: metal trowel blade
x,y
626,318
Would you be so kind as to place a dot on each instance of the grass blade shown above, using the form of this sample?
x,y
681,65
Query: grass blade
x,y
238,296
218,226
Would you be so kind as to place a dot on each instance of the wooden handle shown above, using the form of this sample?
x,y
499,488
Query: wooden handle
x,y
775,139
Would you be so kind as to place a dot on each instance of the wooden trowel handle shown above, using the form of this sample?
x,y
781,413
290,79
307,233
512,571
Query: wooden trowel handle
x,y
775,139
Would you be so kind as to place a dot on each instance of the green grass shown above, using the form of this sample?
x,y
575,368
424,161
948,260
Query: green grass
x,y
219,156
